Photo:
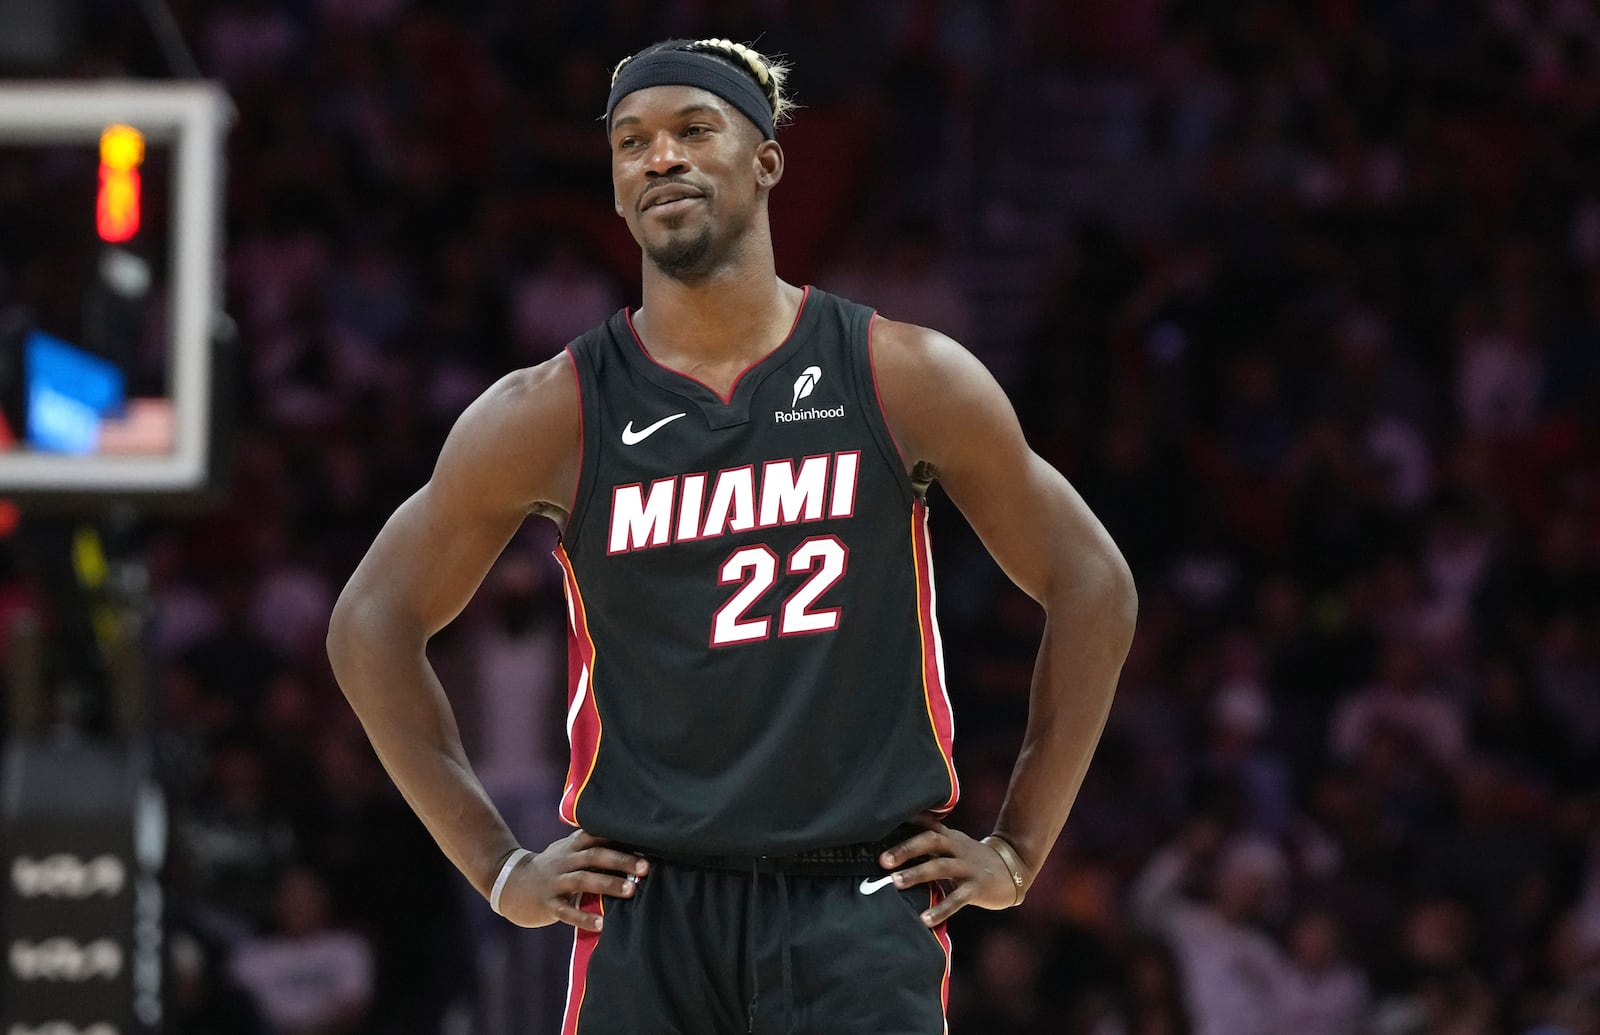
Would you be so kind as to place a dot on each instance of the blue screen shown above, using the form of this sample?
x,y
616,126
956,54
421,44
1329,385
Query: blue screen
x,y
69,390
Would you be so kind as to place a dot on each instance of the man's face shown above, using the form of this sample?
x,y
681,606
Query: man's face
x,y
689,172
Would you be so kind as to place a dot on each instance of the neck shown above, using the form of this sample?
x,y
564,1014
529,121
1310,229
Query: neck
x,y
738,309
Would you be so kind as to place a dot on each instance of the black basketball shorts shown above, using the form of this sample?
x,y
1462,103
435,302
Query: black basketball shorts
x,y
706,951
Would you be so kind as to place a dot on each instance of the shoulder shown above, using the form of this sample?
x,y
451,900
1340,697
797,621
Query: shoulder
x,y
521,437
533,402
930,387
911,351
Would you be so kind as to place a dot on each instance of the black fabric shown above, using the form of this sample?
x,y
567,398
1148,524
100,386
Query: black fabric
x,y
713,952
672,67
857,860
794,738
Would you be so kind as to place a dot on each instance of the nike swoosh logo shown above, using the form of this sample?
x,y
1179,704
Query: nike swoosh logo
x,y
633,438
869,886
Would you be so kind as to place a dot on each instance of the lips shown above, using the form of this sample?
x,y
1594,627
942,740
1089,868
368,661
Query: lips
x,y
668,194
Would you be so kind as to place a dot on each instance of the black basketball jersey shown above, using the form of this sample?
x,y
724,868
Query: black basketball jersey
x,y
755,664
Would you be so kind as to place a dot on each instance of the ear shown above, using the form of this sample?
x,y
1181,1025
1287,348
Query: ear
x,y
769,164
616,202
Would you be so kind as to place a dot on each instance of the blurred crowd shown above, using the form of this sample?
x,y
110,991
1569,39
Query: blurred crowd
x,y
1318,339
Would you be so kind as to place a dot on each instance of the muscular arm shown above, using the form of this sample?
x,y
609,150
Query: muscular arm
x,y
514,452
945,408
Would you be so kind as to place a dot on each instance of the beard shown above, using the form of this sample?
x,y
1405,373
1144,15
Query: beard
x,y
682,256
692,252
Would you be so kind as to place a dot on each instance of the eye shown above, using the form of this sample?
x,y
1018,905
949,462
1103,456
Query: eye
x,y
696,131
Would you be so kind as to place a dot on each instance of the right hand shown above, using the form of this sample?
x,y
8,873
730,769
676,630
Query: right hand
x,y
545,888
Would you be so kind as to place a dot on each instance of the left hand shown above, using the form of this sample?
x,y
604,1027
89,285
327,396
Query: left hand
x,y
976,873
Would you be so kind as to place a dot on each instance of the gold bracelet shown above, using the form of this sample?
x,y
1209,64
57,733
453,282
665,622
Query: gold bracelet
x,y
1008,855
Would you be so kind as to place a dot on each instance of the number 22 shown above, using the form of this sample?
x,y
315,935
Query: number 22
x,y
756,567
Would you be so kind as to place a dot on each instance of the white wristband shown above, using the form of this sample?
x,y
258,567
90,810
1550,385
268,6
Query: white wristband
x,y
505,874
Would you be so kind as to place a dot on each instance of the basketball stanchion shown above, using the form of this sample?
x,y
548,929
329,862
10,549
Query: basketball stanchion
x,y
103,422
82,904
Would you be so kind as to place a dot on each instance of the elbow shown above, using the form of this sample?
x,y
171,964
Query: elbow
x,y
1121,594
366,635
1116,605
341,639
1101,593
350,628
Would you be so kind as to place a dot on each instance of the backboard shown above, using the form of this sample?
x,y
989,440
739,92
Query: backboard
x,y
66,434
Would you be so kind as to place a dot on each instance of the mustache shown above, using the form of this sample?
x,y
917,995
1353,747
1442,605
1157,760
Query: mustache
x,y
666,183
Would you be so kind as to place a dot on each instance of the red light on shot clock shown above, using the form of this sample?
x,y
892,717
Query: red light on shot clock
x,y
116,214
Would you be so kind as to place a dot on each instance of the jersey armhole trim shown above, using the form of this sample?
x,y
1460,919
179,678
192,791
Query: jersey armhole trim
x,y
877,392
577,483
588,445
883,433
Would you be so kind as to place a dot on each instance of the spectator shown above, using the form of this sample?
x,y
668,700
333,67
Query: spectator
x,y
1153,1002
1233,974
1007,998
1304,299
558,298
1403,701
908,272
205,1000
1323,992
1566,985
1567,663
421,960
234,842
309,977
1236,760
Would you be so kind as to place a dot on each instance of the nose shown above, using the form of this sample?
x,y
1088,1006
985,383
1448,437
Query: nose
x,y
666,156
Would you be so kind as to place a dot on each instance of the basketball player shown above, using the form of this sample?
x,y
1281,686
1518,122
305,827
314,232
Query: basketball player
x,y
760,738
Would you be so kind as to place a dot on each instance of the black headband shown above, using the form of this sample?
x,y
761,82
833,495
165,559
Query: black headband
x,y
697,69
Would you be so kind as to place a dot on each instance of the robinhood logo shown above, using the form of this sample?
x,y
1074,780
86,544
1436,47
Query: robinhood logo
x,y
804,385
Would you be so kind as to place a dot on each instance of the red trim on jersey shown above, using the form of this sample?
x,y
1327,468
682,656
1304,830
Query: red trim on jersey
x,y
940,718
941,934
583,945
577,483
583,716
627,314
872,321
